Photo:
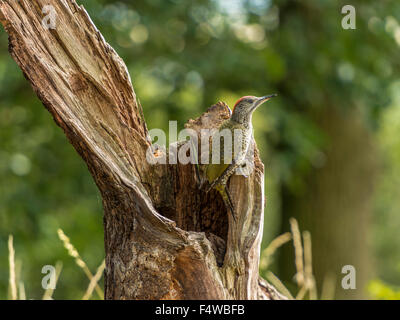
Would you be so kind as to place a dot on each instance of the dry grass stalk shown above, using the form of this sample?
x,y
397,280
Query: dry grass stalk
x,y
302,293
48,293
21,291
78,260
11,259
268,252
303,260
94,281
279,285
308,272
298,249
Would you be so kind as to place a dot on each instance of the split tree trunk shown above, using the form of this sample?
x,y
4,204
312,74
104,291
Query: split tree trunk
x,y
164,237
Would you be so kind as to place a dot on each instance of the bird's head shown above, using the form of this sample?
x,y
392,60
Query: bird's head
x,y
245,106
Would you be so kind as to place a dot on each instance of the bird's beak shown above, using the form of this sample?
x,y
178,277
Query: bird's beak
x,y
263,99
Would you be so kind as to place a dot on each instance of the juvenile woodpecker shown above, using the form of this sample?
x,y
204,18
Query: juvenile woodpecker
x,y
240,121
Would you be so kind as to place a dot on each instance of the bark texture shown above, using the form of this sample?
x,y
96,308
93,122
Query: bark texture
x,y
164,237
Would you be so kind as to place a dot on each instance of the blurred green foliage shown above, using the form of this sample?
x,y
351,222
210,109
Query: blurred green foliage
x,y
382,291
183,56
387,220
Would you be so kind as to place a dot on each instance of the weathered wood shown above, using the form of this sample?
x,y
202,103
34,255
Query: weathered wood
x,y
164,237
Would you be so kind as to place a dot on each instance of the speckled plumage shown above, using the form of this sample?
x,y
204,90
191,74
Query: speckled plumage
x,y
219,173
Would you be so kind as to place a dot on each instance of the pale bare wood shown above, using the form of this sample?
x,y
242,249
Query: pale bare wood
x,y
165,238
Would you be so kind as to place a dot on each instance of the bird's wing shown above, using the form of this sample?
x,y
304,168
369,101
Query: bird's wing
x,y
223,178
215,170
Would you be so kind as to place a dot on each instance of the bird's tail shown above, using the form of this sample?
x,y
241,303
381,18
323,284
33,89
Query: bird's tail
x,y
223,190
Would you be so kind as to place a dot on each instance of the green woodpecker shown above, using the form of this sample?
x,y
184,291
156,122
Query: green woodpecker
x,y
240,121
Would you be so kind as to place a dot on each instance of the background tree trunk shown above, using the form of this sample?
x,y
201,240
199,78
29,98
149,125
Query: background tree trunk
x,y
164,238
337,205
